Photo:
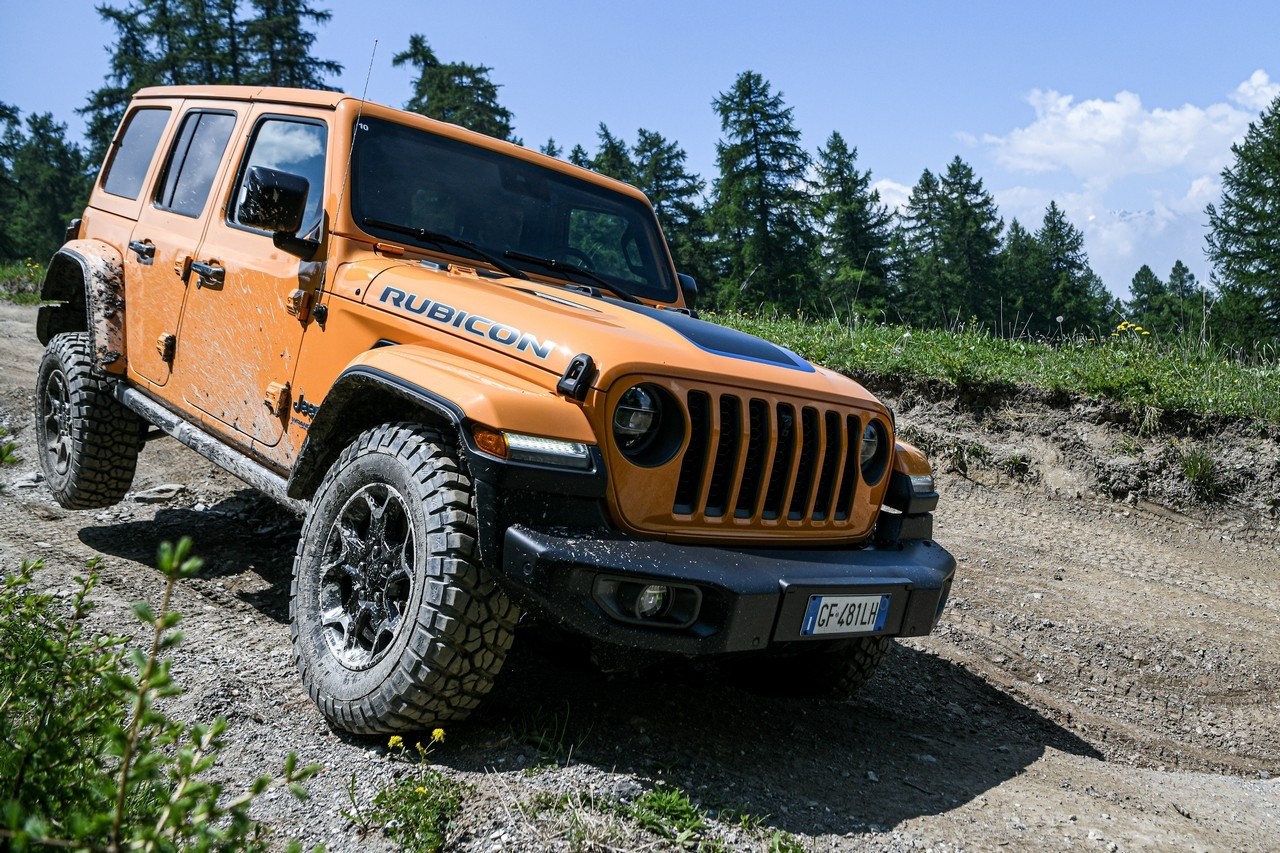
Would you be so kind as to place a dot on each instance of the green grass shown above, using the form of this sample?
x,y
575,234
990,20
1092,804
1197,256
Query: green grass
x,y
1125,366
20,282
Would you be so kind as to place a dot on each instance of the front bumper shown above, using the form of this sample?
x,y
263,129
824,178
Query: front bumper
x,y
750,598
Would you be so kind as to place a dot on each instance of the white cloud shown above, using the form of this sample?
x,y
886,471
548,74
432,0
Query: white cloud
x,y
1103,141
1135,180
892,193
1257,92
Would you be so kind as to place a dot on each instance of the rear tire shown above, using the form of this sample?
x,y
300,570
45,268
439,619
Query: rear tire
x,y
88,441
396,625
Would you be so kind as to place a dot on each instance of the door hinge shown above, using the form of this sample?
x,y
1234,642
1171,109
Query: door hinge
x,y
277,398
165,345
298,304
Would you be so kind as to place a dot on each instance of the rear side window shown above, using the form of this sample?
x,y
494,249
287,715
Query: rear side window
x,y
129,163
193,163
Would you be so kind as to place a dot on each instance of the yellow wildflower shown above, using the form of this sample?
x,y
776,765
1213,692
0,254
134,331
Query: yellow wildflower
x,y
437,736
419,790
396,742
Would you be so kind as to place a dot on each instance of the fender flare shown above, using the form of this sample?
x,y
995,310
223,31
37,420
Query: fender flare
x,y
87,278
389,382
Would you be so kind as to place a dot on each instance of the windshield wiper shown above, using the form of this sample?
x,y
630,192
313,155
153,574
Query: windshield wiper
x,y
556,266
422,235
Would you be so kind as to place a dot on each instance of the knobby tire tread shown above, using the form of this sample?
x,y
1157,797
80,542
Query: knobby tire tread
x,y
106,437
448,668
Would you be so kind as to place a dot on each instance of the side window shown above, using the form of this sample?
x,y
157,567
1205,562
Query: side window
x,y
127,168
296,147
193,162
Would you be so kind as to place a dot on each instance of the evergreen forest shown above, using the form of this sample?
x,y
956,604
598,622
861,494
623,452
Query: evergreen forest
x,y
778,230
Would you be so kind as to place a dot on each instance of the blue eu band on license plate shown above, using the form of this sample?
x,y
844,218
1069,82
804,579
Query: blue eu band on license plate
x,y
845,614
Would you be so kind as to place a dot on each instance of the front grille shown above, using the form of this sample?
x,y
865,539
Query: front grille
x,y
767,460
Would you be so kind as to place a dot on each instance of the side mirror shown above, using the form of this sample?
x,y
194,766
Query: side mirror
x,y
689,288
273,201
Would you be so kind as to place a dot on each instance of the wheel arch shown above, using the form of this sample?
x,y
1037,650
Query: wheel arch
x,y
360,399
85,279
410,382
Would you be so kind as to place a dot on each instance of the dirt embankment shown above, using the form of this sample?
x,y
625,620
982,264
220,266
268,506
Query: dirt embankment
x,y
1106,675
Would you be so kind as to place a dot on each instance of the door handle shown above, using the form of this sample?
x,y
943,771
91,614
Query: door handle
x,y
208,275
145,251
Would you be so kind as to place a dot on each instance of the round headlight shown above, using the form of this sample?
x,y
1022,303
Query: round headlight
x,y
875,450
637,419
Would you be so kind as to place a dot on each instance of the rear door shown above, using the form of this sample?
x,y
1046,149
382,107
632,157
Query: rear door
x,y
242,326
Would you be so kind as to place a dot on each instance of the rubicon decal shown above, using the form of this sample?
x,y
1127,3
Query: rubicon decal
x,y
481,327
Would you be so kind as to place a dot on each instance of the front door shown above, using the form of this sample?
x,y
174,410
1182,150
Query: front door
x,y
245,314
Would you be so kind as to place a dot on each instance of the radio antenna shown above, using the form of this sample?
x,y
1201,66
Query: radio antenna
x,y
355,128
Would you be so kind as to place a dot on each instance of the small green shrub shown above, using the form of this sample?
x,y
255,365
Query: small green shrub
x,y
7,448
88,760
668,811
1201,471
416,809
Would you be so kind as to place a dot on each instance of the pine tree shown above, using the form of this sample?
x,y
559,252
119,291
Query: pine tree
x,y
1147,298
917,254
51,187
1187,301
760,209
613,158
854,256
454,91
675,193
1243,242
1022,280
971,227
10,141
578,156
202,42
1077,299
551,149
279,40
1168,308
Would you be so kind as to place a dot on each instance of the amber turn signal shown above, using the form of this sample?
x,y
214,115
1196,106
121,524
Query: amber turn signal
x,y
491,441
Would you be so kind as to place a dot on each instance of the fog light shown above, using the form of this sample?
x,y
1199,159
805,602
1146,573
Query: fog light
x,y
651,601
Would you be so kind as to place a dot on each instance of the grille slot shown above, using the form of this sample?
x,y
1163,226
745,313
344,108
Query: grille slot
x,y
722,470
695,456
809,441
783,452
830,464
849,478
754,466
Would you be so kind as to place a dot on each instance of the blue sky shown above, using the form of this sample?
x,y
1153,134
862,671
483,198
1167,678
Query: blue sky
x,y
1122,112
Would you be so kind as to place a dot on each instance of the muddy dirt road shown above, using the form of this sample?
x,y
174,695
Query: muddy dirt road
x,y
1107,674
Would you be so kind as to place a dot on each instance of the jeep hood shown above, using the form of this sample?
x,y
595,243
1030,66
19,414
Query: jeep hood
x,y
546,326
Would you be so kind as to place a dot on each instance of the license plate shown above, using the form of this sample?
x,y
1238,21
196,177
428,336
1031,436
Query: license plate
x,y
845,614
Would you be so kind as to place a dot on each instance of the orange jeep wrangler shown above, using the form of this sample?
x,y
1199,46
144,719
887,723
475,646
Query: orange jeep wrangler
x,y
475,372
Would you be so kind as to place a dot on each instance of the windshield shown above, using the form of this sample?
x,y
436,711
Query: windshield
x,y
419,180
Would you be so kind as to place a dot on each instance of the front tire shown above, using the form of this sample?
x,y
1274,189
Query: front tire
x,y
88,440
396,625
